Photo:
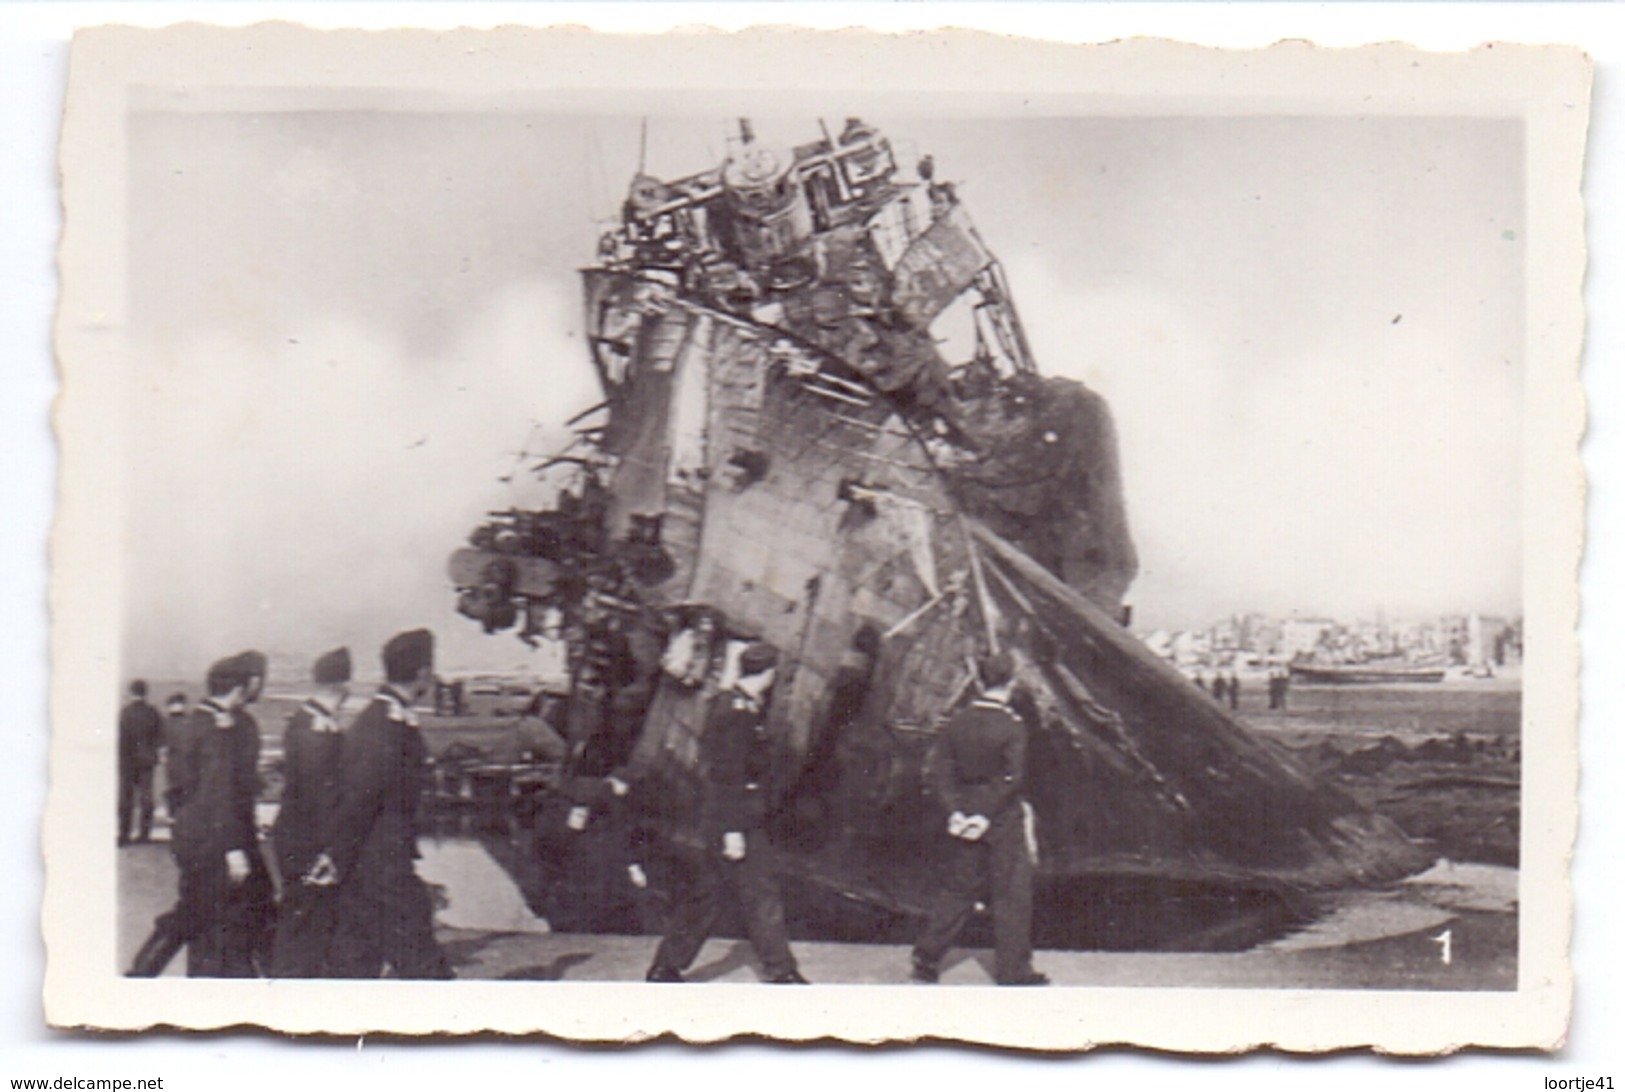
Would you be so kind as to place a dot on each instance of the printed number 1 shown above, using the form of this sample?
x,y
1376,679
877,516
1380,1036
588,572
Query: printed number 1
x,y
1443,941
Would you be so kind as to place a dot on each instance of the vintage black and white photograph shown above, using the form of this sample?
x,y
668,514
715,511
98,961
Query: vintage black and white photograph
x,y
696,540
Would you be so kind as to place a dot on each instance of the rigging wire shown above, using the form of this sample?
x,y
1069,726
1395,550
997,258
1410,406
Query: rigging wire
x,y
524,454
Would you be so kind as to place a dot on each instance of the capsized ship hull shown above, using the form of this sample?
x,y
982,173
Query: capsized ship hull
x,y
784,455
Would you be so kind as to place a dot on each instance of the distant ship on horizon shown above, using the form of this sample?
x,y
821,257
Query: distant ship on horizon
x,y
1369,672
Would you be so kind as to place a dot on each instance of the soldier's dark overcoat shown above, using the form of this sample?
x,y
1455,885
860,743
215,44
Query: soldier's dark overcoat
x,y
978,769
385,912
311,795
213,784
736,759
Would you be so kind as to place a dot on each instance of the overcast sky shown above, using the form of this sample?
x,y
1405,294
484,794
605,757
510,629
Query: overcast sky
x,y
345,326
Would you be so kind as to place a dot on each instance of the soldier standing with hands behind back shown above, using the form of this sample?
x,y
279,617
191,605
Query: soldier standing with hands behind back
x,y
311,746
977,776
385,912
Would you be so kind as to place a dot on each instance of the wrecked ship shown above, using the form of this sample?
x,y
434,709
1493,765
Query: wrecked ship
x,y
785,453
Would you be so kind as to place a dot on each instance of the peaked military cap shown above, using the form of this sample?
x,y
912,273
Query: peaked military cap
x,y
236,670
758,658
332,667
407,653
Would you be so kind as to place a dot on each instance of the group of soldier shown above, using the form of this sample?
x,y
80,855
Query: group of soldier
x,y
1280,681
345,838
1226,689
976,777
351,904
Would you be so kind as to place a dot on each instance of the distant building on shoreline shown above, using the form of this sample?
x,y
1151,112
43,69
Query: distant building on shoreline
x,y
1473,640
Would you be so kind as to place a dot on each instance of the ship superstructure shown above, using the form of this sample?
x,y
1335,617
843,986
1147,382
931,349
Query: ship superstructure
x,y
823,427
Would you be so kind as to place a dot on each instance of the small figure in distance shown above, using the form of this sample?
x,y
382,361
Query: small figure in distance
x,y
140,735
976,774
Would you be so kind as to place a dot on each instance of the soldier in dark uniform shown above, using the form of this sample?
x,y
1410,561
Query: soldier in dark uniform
x,y
385,912
140,734
806,818
304,823
601,886
612,693
224,913
977,775
738,861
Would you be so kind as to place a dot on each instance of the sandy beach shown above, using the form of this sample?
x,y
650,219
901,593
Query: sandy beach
x,y
1442,761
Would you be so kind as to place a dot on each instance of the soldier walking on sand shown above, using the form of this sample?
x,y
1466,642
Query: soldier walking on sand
x,y
140,734
385,913
223,915
738,862
304,823
977,775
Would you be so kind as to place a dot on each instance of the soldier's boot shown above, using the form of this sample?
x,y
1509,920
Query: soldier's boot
x,y
1029,977
156,953
791,977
